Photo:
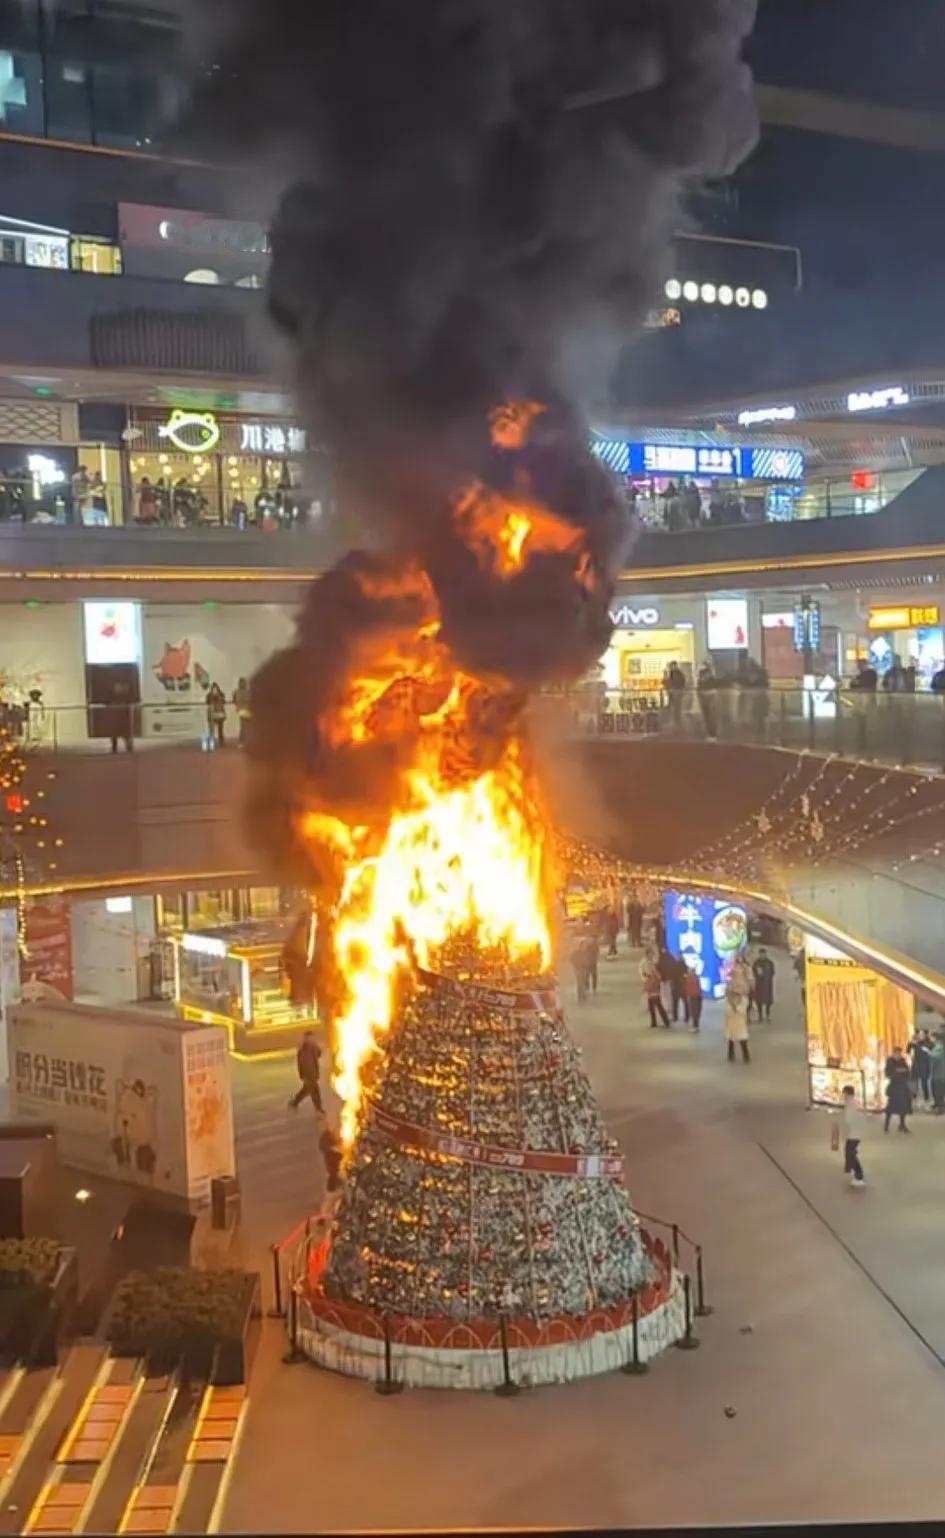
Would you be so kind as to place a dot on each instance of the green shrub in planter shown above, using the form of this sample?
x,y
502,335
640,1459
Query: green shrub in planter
x,y
28,1262
172,1315
28,1270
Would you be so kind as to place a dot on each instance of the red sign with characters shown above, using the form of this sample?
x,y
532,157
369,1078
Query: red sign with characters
x,y
46,969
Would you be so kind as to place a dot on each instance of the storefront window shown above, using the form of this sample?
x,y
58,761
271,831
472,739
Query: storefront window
x,y
265,902
205,909
88,254
169,913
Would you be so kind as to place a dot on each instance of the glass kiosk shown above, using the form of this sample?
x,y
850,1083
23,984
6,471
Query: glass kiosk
x,y
233,975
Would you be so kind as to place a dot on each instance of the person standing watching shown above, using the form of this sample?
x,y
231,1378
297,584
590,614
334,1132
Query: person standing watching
x,y
763,974
652,991
898,1093
692,989
308,1061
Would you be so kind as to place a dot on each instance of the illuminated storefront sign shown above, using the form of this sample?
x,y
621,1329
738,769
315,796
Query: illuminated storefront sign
x,y
628,618
708,934
757,415
749,464
877,400
192,432
272,438
906,617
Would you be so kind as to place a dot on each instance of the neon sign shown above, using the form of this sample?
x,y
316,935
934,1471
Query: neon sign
x,y
192,432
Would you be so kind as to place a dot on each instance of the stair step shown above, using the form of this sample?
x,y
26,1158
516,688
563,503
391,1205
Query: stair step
x,y
49,1401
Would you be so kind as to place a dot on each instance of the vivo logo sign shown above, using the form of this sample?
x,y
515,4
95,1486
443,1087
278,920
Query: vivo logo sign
x,y
626,618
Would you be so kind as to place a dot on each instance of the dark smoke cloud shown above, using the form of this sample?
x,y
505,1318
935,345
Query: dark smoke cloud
x,y
476,199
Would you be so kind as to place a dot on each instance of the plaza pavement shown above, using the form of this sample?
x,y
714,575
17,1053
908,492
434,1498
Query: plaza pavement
x,y
827,1340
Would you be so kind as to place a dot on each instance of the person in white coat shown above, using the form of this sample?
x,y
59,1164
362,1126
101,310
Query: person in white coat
x,y
737,994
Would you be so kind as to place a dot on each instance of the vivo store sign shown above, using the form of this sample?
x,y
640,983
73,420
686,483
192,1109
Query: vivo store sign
x,y
748,464
628,618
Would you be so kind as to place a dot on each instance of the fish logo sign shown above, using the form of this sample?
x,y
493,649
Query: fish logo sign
x,y
193,432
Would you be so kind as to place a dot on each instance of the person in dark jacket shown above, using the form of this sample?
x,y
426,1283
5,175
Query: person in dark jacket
x,y
921,1065
330,1149
677,988
610,929
763,984
706,685
898,1092
634,921
308,1060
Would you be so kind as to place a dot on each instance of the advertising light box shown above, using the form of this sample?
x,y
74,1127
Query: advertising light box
x,y
142,1099
708,934
727,624
112,632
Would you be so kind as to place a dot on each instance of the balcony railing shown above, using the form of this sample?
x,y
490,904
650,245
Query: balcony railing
x,y
885,728
893,728
197,505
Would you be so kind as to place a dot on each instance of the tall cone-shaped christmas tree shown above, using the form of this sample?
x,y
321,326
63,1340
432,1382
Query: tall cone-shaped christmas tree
x,y
483,1193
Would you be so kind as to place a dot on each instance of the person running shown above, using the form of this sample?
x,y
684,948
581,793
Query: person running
x,y
763,990
898,1093
652,992
852,1125
692,988
308,1060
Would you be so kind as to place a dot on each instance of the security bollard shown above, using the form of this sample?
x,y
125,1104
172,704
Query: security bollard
x,y
689,1341
278,1308
507,1389
293,1354
635,1368
703,1310
388,1384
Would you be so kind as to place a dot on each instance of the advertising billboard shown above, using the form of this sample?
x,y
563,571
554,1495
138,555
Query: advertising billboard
x,y
143,1099
46,968
112,632
727,624
708,933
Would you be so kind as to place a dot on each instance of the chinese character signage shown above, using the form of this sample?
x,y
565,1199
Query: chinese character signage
x,y
46,969
904,617
142,1099
716,461
807,627
272,438
708,934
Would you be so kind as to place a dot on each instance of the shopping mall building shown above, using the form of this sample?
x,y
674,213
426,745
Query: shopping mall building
x,y
162,509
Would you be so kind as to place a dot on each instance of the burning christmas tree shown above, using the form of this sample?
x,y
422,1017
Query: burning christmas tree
x,y
483,219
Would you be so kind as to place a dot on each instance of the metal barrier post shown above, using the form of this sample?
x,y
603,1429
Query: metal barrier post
x,y
702,1308
689,1341
388,1384
675,1244
278,1307
293,1354
635,1368
507,1389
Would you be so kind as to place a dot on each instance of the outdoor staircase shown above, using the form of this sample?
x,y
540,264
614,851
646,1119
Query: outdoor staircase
x,y
102,1446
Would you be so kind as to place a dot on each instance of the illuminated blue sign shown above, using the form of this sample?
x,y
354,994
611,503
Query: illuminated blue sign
x,y
715,461
708,934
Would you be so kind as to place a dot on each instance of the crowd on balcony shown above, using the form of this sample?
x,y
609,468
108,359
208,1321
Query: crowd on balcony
x,y
683,505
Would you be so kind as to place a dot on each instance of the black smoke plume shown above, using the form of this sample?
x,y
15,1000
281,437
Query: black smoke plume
x,y
476,199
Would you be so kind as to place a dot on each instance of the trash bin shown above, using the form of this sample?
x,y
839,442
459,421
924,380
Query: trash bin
x,y
225,1202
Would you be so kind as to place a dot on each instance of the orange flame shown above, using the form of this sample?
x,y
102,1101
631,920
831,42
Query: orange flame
x,y
462,859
